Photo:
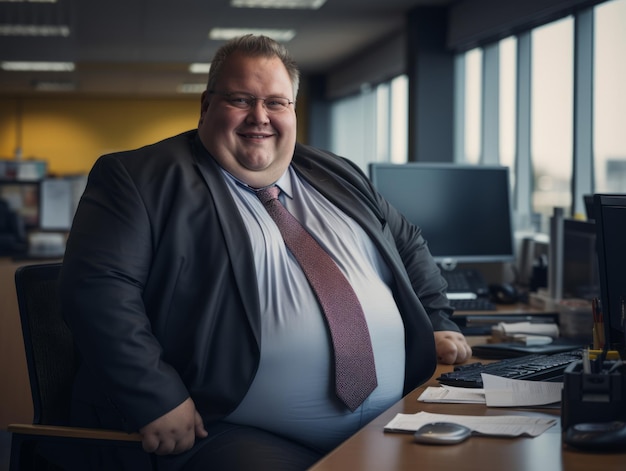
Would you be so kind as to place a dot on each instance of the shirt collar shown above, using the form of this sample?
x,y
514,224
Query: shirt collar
x,y
284,182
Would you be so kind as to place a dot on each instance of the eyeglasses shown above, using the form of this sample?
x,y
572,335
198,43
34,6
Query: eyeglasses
x,y
243,101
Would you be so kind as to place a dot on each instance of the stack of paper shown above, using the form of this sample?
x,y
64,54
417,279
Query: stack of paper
x,y
501,425
498,392
526,333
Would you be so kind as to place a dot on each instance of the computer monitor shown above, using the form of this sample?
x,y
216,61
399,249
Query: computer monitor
x,y
23,198
464,211
588,200
58,202
580,262
610,220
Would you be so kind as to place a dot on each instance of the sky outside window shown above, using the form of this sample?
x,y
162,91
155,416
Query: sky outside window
x,y
610,97
552,88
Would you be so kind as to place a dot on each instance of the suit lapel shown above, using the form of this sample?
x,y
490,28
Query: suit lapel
x,y
233,231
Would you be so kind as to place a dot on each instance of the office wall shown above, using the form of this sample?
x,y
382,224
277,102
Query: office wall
x,y
70,133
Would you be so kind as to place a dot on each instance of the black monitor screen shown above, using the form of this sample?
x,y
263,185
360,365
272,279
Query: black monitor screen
x,y
610,218
580,263
464,211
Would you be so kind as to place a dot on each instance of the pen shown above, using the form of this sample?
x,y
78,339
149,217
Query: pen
x,y
598,324
586,362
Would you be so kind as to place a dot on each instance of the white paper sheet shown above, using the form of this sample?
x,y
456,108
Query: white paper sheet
x,y
508,329
504,392
452,395
501,425
497,392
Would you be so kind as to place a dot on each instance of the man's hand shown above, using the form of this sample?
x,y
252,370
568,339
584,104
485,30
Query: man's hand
x,y
175,431
451,347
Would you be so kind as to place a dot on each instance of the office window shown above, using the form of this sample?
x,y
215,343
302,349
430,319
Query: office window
x,y
372,126
473,108
353,127
392,109
383,126
610,97
470,67
545,142
552,116
508,57
399,123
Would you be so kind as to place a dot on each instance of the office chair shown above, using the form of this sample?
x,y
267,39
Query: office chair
x,y
52,364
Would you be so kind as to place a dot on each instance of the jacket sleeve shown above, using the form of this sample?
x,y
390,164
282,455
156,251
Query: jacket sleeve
x,y
106,264
424,274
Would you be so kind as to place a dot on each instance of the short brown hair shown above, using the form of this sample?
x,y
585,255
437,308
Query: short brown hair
x,y
254,46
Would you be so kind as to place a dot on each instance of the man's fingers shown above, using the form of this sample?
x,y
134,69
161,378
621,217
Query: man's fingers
x,y
150,443
168,446
199,427
447,351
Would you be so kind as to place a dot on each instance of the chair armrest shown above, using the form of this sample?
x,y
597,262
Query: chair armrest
x,y
73,432
58,433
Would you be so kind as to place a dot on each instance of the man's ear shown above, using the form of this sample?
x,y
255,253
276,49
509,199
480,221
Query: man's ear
x,y
204,104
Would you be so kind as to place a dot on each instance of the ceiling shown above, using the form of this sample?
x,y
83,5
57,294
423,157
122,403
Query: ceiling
x,y
144,47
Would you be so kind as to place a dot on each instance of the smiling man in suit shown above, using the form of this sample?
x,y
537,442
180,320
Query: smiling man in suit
x,y
197,326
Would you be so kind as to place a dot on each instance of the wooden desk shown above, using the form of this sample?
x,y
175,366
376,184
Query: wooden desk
x,y
372,449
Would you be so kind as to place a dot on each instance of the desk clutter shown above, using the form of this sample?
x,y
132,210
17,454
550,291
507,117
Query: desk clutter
x,y
493,425
526,333
586,381
498,392
593,411
588,384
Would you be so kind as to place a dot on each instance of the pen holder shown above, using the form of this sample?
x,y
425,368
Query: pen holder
x,y
593,397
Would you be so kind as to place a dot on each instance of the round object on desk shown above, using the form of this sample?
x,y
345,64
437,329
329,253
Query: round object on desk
x,y
597,436
442,433
504,293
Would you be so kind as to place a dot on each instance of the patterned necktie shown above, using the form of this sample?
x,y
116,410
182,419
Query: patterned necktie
x,y
355,372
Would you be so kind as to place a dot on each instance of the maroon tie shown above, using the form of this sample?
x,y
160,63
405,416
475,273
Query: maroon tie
x,y
355,371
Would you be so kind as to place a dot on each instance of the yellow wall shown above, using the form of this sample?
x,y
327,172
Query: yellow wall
x,y
70,133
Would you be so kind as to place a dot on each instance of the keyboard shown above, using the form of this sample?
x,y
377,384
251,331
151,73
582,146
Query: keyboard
x,y
534,367
465,280
476,304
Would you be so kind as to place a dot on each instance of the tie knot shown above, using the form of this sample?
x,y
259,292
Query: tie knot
x,y
268,194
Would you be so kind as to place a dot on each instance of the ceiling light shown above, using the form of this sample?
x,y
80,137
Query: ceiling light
x,y
34,30
37,66
283,35
200,67
55,86
294,4
196,88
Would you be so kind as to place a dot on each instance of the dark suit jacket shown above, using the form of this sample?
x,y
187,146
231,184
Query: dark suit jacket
x,y
159,289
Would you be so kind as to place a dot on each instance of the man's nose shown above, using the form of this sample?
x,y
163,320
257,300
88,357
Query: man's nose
x,y
258,112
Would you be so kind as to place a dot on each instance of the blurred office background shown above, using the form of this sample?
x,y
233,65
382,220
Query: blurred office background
x,y
536,86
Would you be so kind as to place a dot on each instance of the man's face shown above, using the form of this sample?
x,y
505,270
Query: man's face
x,y
254,145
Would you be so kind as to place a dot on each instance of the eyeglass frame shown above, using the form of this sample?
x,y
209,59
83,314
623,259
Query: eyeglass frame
x,y
251,102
